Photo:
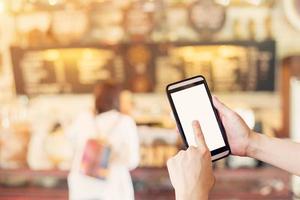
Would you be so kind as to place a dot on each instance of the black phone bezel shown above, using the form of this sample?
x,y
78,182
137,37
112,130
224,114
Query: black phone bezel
x,y
224,136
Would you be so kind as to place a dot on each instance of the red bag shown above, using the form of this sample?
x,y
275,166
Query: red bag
x,y
95,159
96,156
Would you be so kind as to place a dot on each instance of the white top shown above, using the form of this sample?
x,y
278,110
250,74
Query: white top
x,y
124,141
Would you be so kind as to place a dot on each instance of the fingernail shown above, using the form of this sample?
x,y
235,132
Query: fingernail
x,y
195,123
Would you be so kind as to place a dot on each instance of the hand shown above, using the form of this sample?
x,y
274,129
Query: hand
x,y
191,170
238,133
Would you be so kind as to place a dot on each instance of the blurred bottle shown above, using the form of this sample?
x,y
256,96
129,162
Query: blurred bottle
x,y
269,27
58,148
14,134
295,126
252,29
237,29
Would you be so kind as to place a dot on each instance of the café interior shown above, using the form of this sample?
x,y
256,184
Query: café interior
x,y
53,52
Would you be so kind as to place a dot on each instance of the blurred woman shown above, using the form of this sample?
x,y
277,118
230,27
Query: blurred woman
x,y
120,132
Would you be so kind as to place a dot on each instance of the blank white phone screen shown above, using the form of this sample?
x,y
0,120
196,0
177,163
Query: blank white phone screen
x,y
193,104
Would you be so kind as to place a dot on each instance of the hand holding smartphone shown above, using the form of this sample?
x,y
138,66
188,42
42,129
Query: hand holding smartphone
x,y
190,100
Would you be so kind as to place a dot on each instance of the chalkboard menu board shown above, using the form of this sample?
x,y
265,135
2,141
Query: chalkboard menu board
x,y
144,67
64,70
230,66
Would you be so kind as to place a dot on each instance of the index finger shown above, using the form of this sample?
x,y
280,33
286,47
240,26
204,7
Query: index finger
x,y
199,135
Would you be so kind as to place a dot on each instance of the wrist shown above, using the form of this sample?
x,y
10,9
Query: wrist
x,y
252,146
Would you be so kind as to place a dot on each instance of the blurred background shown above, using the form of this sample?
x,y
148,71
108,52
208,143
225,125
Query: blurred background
x,y
52,52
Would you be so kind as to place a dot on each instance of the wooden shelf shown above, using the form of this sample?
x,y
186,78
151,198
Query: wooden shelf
x,y
33,193
33,173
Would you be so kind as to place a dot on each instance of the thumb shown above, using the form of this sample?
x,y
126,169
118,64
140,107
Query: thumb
x,y
199,135
223,110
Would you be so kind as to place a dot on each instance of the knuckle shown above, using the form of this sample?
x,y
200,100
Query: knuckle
x,y
169,162
231,113
204,152
213,181
180,153
192,149
234,115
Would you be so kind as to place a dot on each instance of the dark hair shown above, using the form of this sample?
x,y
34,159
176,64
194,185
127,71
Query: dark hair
x,y
107,96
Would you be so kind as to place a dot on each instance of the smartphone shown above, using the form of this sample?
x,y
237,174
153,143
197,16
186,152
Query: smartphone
x,y
191,100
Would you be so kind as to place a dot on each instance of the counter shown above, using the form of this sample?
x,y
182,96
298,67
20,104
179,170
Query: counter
x,y
153,183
